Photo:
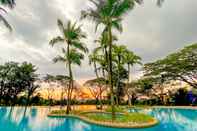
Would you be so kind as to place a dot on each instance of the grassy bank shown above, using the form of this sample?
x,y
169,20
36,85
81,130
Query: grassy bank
x,y
120,118
103,118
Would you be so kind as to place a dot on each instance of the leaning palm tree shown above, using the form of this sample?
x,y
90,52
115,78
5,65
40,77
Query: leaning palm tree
x,y
94,59
109,13
73,54
10,4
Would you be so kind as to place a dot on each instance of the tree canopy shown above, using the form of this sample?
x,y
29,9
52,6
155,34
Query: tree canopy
x,y
181,65
16,78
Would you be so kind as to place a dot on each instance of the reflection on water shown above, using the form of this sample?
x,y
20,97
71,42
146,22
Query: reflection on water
x,y
35,119
173,119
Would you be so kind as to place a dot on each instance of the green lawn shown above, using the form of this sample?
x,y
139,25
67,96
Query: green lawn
x,y
122,118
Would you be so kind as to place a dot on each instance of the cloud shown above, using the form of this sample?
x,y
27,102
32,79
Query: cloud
x,y
149,31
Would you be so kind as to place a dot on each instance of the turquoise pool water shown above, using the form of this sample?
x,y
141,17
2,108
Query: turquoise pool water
x,y
35,119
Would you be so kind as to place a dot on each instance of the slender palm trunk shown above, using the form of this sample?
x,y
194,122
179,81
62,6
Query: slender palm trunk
x,y
118,82
103,72
95,70
72,88
97,76
100,98
70,81
27,102
129,98
106,59
28,99
110,72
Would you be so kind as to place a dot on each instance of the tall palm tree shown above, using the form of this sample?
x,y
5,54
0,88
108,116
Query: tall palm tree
x,y
130,59
110,14
10,4
102,51
73,54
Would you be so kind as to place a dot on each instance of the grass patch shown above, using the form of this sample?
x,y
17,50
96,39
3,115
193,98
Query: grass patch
x,y
120,118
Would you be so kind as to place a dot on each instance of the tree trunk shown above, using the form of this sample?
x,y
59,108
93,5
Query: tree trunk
x,y
128,72
129,100
28,98
110,72
100,99
95,70
27,102
97,76
118,83
103,72
70,81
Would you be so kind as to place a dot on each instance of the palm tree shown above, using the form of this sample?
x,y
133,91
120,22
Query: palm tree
x,y
110,14
119,53
130,59
71,37
93,59
10,4
102,51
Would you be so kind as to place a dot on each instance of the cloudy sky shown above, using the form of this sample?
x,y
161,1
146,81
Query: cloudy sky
x,y
151,32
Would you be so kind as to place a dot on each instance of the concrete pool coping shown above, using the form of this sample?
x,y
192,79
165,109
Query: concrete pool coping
x,y
165,107
177,107
152,123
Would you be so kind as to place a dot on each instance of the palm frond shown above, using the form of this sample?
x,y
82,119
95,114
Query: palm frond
x,y
5,22
60,59
75,57
9,3
56,40
97,49
117,25
64,51
122,7
131,58
2,9
79,45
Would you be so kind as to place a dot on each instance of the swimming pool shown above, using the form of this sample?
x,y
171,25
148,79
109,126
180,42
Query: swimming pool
x,y
35,119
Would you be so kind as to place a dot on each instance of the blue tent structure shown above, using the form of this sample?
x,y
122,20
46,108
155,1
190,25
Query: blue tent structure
x,y
192,99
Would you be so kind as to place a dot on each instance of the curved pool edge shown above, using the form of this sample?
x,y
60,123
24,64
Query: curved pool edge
x,y
177,107
109,124
165,107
